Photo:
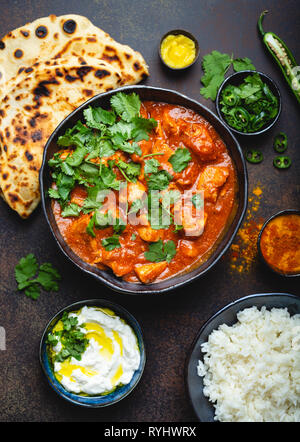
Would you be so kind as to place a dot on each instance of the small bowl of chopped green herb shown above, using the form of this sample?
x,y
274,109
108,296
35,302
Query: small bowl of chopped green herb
x,y
248,102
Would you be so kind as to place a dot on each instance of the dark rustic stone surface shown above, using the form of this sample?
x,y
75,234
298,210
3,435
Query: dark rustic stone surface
x,y
169,322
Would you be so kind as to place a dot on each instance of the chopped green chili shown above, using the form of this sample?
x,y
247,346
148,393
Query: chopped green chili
x,y
254,156
282,162
280,142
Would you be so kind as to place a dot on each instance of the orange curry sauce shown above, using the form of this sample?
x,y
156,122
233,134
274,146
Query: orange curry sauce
x,y
211,170
280,243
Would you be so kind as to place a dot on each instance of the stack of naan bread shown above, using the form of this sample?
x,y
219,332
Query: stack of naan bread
x,y
47,69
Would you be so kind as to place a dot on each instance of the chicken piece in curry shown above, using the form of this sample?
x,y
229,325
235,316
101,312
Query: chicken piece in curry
x,y
117,169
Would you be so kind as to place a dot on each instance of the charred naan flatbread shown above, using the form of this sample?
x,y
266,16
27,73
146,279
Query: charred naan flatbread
x,y
66,35
48,68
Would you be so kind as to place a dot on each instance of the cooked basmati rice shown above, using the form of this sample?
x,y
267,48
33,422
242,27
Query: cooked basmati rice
x,y
251,370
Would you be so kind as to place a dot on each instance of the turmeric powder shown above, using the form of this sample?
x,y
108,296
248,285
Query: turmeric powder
x,y
243,251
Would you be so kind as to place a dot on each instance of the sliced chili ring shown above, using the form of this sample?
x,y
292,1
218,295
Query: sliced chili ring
x,y
280,142
230,97
259,121
241,116
282,162
254,156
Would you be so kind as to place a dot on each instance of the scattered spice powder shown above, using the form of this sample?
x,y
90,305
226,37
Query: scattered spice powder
x,y
243,251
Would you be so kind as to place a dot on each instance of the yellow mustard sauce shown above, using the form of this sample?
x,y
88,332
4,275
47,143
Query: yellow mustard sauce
x,y
106,349
178,51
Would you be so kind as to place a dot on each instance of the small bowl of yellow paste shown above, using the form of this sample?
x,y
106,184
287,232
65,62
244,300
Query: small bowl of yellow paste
x,y
92,353
178,49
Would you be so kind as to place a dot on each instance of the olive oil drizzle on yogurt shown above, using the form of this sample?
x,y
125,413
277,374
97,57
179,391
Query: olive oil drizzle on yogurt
x,y
104,365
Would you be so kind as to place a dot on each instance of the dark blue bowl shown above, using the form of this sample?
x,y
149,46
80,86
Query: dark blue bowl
x,y
203,408
102,400
149,93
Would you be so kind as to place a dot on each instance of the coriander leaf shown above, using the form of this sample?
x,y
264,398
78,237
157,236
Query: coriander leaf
x,y
180,159
142,127
161,252
136,206
96,117
131,170
243,64
53,193
126,106
26,268
33,291
111,243
71,210
159,180
90,226
215,65
170,250
151,166
48,277
210,91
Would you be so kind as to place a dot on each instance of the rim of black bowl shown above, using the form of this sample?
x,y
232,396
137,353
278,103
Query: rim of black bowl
x,y
167,285
192,347
124,314
267,79
186,34
281,212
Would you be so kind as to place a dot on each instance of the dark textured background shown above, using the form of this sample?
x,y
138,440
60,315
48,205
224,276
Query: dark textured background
x,y
169,322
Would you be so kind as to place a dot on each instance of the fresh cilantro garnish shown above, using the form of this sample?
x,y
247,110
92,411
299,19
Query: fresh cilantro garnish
x,y
159,251
215,65
151,166
159,180
102,134
111,243
47,276
129,170
71,210
73,340
180,159
127,106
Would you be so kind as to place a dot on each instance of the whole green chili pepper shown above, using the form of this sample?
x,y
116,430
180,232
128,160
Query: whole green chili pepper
x,y
280,142
282,162
283,57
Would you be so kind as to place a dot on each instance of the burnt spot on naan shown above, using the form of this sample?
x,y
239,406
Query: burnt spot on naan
x,y
18,53
5,176
69,26
28,70
87,92
128,56
101,73
41,31
28,156
2,45
36,136
25,33
13,197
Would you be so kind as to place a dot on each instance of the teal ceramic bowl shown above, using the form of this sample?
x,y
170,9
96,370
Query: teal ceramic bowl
x,y
101,400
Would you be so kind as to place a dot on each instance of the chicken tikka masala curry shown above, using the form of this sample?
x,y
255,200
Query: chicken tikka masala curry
x,y
144,189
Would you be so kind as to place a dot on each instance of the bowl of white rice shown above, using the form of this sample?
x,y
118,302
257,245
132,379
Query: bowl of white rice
x,y
244,364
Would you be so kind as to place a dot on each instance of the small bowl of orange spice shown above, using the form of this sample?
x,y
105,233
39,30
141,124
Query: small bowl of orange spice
x,y
279,242
178,49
